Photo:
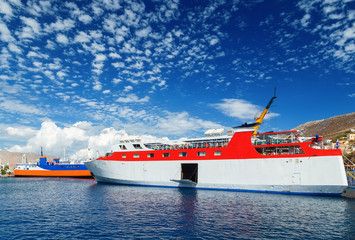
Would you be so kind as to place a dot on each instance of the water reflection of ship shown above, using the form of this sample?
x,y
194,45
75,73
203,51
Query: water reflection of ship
x,y
187,210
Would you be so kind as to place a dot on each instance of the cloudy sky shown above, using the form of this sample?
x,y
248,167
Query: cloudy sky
x,y
81,74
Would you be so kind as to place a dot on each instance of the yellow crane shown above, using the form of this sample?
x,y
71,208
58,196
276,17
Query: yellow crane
x,y
259,120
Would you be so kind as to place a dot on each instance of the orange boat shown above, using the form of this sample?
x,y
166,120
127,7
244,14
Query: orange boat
x,y
43,168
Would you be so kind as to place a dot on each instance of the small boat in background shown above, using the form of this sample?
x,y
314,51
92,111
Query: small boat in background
x,y
57,168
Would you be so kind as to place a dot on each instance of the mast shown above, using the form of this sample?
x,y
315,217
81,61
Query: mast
x,y
24,158
260,119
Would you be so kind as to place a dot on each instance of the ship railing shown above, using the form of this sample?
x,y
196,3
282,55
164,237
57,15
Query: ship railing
x,y
279,150
274,141
189,146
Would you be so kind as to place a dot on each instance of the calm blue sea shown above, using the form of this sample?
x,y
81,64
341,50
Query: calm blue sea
x,y
42,208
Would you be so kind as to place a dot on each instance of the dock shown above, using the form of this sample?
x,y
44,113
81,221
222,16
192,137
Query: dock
x,y
349,192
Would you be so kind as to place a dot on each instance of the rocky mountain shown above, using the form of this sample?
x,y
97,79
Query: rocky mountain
x,y
330,127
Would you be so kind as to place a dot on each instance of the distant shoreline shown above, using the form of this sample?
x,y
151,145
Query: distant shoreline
x,y
7,175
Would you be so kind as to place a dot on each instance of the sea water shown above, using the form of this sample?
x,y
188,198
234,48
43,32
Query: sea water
x,y
55,208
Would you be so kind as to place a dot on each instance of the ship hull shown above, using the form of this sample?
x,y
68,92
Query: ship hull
x,y
323,175
42,172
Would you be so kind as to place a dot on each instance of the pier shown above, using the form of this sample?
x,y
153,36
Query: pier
x,y
350,175
349,192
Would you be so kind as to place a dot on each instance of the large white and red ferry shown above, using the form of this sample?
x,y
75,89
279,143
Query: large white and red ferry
x,y
240,160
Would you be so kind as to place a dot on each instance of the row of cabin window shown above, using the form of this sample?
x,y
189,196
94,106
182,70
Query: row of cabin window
x,y
181,154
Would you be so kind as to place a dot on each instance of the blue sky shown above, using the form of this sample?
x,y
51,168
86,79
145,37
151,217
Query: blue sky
x,y
84,73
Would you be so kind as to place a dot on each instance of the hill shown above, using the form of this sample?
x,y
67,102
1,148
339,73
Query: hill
x,y
330,127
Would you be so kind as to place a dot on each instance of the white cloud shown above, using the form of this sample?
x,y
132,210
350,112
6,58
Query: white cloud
x,y
32,23
350,48
96,34
50,45
100,58
5,34
132,98
37,8
147,52
61,74
82,37
130,18
86,19
37,55
161,83
98,65
142,33
14,48
95,47
138,7
97,10
349,32
53,139
214,41
110,23
16,106
49,74
116,80
18,3
115,55
329,9
61,25
20,131
73,9
6,9
56,65
4,77
182,123
97,86
112,4
240,109
4,58
305,20
80,140
61,38
15,89
118,64
128,88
